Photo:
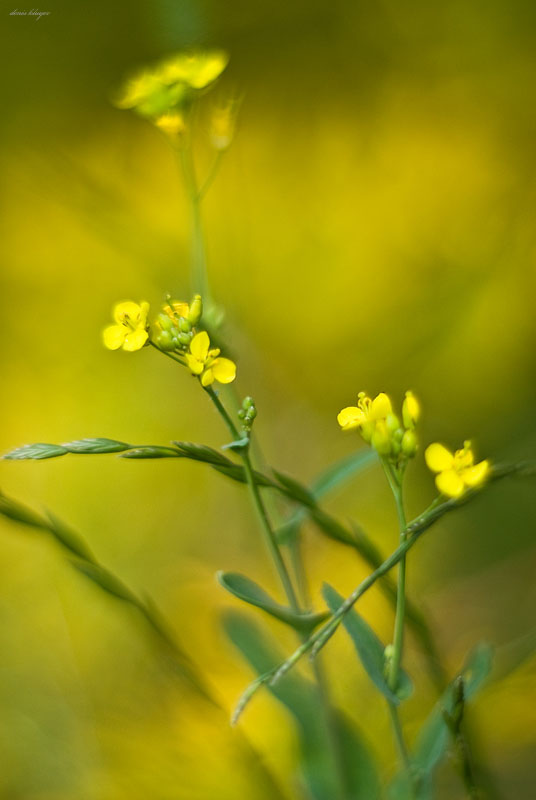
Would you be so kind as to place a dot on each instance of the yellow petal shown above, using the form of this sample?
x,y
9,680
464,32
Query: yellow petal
x,y
463,459
474,476
438,458
195,366
449,483
207,377
125,310
199,346
134,340
224,370
411,410
113,336
380,408
350,417
144,310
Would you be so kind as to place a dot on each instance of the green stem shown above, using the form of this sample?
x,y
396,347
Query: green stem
x,y
289,590
199,278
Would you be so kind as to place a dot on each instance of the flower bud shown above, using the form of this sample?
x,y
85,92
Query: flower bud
x,y
185,325
411,410
381,441
165,322
196,310
409,443
247,402
367,429
392,423
164,341
184,338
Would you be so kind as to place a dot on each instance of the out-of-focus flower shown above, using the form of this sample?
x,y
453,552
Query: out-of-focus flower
x,y
207,364
171,123
172,84
130,329
223,123
456,471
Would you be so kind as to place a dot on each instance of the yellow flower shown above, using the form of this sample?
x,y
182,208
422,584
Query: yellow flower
x,y
171,123
130,330
456,471
365,414
172,83
207,364
411,410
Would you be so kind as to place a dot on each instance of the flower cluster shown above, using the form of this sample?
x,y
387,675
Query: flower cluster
x,y
380,426
247,413
175,332
163,93
457,471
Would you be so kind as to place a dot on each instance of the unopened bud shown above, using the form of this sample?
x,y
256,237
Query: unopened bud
x,y
409,443
247,402
381,441
392,423
411,410
196,310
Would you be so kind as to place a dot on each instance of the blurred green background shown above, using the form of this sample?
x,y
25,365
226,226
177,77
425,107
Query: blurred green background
x,y
372,228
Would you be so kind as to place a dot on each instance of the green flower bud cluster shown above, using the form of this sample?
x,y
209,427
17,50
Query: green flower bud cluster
x,y
174,326
247,414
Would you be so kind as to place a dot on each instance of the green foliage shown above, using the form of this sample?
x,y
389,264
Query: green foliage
x,y
300,698
369,649
250,592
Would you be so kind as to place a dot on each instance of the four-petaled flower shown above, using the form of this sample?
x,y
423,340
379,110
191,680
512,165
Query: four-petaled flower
x,y
207,364
366,414
456,471
130,330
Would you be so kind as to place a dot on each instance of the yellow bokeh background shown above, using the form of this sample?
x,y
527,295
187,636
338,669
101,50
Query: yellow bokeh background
x,y
372,227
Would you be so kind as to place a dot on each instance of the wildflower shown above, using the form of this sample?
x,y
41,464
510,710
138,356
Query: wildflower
x,y
366,414
172,84
207,364
456,471
171,123
130,330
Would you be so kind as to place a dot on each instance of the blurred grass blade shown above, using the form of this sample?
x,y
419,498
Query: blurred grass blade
x,y
433,739
106,580
69,539
299,696
201,452
250,592
342,471
369,647
295,489
513,654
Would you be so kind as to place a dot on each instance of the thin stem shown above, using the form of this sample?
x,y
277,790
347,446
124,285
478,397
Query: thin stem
x,y
399,736
213,171
199,278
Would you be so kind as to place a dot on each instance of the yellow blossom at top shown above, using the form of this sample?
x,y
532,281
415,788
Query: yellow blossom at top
x,y
171,84
130,329
207,364
457,471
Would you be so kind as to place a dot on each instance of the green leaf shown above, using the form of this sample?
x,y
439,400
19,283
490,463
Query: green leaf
x,y
68,538
295,489
250,592
369,648
106,580
342,470
87,446
151,451
434,736
300,697
35,451
18,513
240,444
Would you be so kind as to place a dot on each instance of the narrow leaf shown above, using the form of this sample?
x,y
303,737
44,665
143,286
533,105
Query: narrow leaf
x,y
240,444
18,513
342,470
369,647
35,451
295,489
434,736
68,538
250,592
301,698
106,580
